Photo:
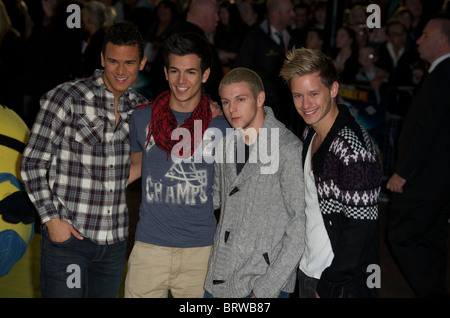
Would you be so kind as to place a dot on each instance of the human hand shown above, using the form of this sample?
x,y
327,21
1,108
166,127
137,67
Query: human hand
x,y
396,183
215,109
418,73
60,230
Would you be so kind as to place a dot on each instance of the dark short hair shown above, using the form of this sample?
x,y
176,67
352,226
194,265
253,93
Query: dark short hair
x,y
186,43
124,34
391,22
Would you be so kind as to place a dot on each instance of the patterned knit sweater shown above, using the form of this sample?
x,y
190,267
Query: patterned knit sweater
x,y
348,176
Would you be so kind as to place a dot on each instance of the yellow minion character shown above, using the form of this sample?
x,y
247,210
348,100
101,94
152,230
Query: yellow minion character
x,y
16,211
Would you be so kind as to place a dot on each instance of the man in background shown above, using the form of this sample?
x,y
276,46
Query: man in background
x,y
420,208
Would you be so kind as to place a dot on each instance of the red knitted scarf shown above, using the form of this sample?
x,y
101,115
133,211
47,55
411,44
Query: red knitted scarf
x,y
163,123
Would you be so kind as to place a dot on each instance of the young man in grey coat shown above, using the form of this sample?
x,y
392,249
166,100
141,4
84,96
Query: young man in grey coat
x,y
260,189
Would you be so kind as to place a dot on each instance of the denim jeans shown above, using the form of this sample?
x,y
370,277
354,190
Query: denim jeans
x,y
81,268
306,285
282,294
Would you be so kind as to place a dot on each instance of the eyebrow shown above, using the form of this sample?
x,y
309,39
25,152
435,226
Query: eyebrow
x,y
234,97
189,69
114,60
308,92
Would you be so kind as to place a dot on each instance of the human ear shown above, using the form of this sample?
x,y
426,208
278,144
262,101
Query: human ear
x,y
205,75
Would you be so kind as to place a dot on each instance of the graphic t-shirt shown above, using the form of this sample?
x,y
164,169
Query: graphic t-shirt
x,y
177,207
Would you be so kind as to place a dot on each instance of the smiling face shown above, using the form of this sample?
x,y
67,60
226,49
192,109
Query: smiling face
x,y
121,67
185,81
314,101
241,108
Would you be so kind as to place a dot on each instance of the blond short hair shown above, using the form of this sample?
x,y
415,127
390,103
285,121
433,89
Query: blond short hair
x,y
242,74
303,61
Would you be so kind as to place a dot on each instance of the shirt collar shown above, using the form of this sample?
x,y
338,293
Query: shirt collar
x,y
97,79
274,32
391,51
437,61
99,84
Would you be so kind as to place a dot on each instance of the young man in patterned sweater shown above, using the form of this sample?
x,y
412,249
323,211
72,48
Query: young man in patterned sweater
x,y
342,183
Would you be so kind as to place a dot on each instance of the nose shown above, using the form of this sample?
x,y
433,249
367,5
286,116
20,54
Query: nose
x,y
419,40
181,78
120,69
306,103
233,107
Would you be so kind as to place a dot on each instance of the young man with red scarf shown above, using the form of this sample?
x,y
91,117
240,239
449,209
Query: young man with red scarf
x,y
176,222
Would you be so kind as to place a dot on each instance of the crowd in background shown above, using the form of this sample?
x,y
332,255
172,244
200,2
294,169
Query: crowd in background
x,y
38,50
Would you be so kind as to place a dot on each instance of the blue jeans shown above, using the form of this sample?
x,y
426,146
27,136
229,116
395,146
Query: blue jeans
x,y
81,268
307,286
282,294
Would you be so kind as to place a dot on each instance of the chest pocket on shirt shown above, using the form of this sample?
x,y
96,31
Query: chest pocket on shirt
x,y
89,129
123,129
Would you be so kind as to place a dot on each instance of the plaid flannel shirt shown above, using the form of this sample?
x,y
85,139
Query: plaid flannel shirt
x,y
77,160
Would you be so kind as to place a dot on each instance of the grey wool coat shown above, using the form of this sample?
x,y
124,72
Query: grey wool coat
x,y
261,231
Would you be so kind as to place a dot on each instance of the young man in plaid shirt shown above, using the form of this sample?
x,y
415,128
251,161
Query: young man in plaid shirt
x,y
75,169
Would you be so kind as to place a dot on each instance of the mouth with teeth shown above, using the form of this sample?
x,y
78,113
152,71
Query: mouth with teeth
x,y
121,79
182,89
310,113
